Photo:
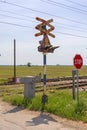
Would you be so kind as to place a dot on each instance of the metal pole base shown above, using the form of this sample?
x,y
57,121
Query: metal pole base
x,y
44,99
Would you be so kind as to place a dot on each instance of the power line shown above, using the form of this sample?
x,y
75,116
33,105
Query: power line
x,y
33,21
71,26
43,13
68,19
76,3
11,12
19,25
14,17
68,28
65,26
69,34
27,16
65,6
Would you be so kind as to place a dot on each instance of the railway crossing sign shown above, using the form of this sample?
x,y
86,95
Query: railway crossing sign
x,y
42,27
45,45
78,61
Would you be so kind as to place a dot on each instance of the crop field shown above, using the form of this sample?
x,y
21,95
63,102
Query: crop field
x,y
52,71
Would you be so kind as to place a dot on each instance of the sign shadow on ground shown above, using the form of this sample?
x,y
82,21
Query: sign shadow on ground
x,y
41,119
14,110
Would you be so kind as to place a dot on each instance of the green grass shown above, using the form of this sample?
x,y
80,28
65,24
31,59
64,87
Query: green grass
x,y
59,103
52,71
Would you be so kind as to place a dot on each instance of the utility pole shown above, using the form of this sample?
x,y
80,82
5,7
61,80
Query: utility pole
x,y
14,60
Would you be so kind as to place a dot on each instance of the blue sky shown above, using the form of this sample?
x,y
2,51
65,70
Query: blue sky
x,y
17,21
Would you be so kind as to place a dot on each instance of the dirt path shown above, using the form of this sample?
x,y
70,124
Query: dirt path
x,y
16,118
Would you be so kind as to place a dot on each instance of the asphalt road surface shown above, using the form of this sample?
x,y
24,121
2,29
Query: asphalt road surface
x,y
16,118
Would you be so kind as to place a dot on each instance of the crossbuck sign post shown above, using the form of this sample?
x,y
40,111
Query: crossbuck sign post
x,y
45,46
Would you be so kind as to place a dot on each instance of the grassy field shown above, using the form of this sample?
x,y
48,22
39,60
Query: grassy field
x,y
60,102
52,71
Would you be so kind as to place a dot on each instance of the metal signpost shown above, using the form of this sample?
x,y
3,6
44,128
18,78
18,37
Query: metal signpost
x,y
75,82
45,47
78,63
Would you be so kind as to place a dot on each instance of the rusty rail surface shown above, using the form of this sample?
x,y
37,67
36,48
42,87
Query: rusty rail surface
x,y
58,83
61,83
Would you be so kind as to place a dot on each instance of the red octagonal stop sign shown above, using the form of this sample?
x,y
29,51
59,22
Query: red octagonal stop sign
x,y
78,61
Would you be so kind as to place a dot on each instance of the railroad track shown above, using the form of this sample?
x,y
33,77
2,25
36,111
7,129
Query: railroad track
x,y
62,83
52,84
59,83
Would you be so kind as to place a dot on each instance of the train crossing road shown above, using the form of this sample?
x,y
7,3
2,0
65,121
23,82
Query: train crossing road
x,y
16,118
